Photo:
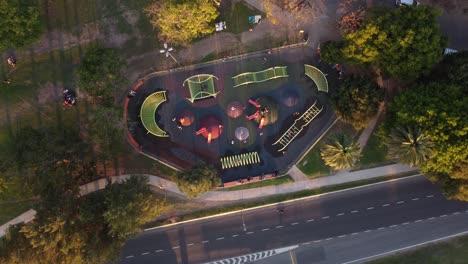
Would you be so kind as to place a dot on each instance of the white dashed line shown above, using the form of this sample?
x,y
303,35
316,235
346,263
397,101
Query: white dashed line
x,y
466,211
415,199
370,208
325,217
146,253
311,220
206,241
380,228
417,221
430,218
393,226
400,202
159,250
131,256
265,229
456,213
341,236
405,223
295,223
429,196
355,211
279,226
443,215
340,214
353,234
306,243
191,244
176,247
367,231
221,238
385,205
330,238
248,233
317,241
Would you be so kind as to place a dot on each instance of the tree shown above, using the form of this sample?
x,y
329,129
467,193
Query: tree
x,y
331,52
199,179
352,17
410,146
439,107
130,205
289,13
340,152
357,100
101,73
106,130
179,22
20,24
402,42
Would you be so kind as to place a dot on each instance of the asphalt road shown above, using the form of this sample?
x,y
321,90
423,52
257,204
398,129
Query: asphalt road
x,y
322,218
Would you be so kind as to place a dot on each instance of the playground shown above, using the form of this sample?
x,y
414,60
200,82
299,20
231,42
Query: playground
x,y
249,116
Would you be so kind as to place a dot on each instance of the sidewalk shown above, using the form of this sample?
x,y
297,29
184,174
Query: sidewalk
x,y
306,185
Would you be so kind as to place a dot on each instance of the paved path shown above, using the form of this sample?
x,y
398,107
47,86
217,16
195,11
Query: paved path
x,y
306,185
297,174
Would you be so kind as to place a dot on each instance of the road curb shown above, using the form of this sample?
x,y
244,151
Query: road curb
x,y
284,202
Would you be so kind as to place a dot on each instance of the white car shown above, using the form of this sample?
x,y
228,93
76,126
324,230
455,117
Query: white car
x,y
406,3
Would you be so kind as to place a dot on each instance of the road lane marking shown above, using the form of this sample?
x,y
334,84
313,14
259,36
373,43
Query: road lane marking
x,y
370,208
295,223
400,202
317,241
430,218
191,244
393,226
367,231
176,247
355,211
145,253
265,229
429,196
340,214
251,232
456,213
380,228
353,234
206,241
415,199
405,223
311,220
159,250
306,243
280,226
341,236
330,238
131,256
443,215
325,217
417,221
385,205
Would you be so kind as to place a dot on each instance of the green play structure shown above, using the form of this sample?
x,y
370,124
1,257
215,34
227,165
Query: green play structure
x,y
201,86
240,160
261,76
317,76
148,113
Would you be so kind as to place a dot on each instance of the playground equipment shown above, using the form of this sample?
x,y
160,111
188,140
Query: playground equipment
x,y
148,113
317,76
240,160
201,86
211,128
261,76
299,124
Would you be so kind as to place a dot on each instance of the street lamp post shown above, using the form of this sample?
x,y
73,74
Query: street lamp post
x,y
168,50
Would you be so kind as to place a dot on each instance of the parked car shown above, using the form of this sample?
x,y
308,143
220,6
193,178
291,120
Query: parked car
x,y
406,3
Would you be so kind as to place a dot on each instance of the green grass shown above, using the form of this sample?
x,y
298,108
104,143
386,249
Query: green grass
x,y
270,182
452,251
278,199
312,164
374,154
14,201
237,15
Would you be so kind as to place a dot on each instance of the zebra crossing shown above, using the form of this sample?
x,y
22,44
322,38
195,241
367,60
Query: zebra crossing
x,y
252,257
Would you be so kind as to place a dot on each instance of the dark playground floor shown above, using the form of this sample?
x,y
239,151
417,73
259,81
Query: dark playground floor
x,y
183,147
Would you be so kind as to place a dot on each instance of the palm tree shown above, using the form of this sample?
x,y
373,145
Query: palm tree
x,y
340,152
409,145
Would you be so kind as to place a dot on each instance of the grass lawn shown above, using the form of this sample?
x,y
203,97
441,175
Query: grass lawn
x,y
312,164
236,15
270,182
374,153
14,201
452,251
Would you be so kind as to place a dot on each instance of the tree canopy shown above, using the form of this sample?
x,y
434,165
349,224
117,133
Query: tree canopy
x,y
179,22
20,24
356,100
402,42
106,130
101,72
340,152
440,108
409,145
199,179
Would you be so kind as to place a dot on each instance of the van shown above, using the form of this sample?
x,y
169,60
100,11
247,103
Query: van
x,y
406,3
